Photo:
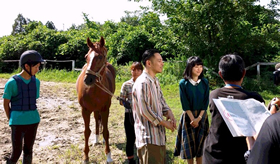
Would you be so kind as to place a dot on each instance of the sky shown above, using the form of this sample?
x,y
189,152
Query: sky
x,y
64,13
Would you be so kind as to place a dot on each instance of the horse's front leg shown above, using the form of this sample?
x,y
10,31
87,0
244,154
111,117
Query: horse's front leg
x,y
104,118
86,116
97,123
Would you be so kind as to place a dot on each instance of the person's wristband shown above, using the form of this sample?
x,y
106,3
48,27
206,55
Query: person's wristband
x,y
200,117
276,106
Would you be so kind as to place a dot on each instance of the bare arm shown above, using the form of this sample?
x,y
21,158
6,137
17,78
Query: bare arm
x,y
195,122
7,107
273,109
250,142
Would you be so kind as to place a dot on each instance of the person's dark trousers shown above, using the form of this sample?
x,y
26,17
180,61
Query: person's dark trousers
x,y
130,134
27,135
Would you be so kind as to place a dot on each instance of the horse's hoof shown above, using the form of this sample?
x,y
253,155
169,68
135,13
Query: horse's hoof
x,y
110,162
86,161
109,159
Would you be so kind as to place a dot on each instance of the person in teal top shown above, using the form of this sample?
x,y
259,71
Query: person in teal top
x,y
21,117
194,125
20,94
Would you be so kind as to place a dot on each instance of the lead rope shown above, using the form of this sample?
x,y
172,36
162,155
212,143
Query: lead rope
x,y
101,86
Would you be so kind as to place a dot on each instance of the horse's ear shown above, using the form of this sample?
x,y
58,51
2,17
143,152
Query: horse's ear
x,y
102,41
89,43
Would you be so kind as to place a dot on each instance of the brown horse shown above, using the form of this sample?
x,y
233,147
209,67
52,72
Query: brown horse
x,y
95,87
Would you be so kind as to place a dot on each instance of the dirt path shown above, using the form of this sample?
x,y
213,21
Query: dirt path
x,y
60,132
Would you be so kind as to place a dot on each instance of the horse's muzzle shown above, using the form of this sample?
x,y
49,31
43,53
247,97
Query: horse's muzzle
x,y
89,79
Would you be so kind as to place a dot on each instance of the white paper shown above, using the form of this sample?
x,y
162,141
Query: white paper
x,y
243,117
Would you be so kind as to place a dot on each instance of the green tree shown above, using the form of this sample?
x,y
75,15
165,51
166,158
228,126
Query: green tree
x,y
75,48
131,18
89,23
133,46
108,28
20,21
50,25
128,43
211,28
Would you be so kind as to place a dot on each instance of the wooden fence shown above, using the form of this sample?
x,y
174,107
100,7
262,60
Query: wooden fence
x,y
46,61
258,65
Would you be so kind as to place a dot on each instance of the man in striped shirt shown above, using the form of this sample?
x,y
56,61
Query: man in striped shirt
x,y
149,107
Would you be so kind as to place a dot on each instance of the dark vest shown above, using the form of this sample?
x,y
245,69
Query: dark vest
x,y
25,100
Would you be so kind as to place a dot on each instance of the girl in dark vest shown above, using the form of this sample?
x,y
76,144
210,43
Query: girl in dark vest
x,y
20,94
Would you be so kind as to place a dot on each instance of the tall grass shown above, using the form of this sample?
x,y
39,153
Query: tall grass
x,y
49,75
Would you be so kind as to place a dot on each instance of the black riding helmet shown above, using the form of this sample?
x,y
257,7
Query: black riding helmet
x,y
30,57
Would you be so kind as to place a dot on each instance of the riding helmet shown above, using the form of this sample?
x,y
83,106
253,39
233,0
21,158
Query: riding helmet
x,y
30,57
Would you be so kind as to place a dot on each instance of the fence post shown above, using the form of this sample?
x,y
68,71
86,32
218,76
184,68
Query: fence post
x,y
44,65
73,65
258,71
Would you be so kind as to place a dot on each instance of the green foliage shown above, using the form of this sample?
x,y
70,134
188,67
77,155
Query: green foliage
x,y
128,43
132,20
37,37
50,25
76,46
108,28
208,29
133,46
20,21
123,72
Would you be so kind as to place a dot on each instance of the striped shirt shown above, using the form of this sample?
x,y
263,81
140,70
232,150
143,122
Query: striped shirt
x,y
148,107
126,92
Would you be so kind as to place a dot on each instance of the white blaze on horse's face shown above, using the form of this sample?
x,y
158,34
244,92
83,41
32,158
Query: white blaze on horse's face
x,y
92,54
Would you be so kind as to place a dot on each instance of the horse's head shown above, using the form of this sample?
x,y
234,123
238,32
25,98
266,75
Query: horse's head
x,y
96,61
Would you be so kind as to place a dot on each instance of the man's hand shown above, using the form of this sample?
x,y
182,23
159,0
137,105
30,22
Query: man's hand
x,y
125,103
273,106
169,116
275,100
167,124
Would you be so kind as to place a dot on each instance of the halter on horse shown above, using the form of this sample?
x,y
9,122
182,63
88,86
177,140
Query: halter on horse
x,y
95,87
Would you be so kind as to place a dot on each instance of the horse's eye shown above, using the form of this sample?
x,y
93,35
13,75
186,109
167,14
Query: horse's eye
x,y
100,57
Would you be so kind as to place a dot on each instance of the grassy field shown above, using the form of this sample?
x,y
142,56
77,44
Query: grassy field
x,y
170,91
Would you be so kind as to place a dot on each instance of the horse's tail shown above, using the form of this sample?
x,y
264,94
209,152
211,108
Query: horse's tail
x,y
112,69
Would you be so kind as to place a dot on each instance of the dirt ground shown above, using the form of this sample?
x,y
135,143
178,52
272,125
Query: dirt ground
x,y
60,132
